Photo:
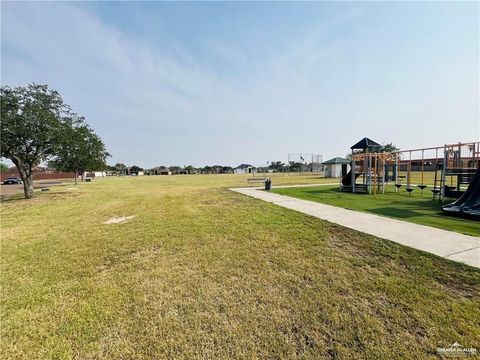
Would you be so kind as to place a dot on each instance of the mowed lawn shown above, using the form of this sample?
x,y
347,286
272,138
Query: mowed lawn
x,y
203,272
413,208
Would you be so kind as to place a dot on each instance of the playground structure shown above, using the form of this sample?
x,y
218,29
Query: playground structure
x,y
368,163
447,169
468,204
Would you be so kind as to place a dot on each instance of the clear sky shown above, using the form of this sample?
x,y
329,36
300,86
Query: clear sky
x,y
229,83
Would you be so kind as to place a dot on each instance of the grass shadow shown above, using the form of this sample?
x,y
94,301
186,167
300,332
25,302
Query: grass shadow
x,y
396,213
421,205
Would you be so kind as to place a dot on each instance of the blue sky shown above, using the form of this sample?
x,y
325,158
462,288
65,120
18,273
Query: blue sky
x,y
227,83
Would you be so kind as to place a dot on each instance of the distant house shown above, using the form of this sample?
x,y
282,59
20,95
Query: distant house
x,y
159,170
164,171
245,169
336,167
135,170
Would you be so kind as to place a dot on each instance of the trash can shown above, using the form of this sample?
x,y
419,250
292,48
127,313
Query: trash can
x,y
268,184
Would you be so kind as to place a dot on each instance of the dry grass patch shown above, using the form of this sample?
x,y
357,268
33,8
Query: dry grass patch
x,y
118,219
203,272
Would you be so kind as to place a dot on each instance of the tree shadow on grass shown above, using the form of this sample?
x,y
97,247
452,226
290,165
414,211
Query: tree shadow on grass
x,y
420,205
397,213
330,191
13,197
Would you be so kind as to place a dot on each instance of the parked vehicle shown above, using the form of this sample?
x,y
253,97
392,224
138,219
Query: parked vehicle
x,y
12,180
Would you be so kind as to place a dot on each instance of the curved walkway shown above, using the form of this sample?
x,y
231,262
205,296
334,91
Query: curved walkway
x,y
447,244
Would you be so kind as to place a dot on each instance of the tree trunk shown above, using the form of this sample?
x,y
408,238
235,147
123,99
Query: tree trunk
x,y
76,176
28,186
27,179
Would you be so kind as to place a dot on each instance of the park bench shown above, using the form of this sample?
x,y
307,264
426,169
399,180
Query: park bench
x,y
266,181
256,180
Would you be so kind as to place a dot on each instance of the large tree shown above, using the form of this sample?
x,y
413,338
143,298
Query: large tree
x,y
32,121
190,169
295,166
37,126
82,150
121,168
389,147
135,169
277,166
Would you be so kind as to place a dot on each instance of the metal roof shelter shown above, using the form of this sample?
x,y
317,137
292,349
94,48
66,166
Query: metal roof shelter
x,y
366,144
336,160
243,166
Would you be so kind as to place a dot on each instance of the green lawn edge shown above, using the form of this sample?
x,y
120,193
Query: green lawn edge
x,y
411,208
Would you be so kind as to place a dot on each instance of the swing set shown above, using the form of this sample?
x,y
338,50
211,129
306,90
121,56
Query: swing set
x,y
447,169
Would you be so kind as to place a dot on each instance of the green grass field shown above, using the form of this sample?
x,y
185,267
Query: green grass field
x,y
203,272
413,208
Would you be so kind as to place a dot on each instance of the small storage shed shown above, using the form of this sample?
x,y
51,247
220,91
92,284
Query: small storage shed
x,y
245,169
333,167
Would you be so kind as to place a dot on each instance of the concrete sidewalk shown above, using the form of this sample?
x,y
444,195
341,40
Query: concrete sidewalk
x,y
448,244
292,186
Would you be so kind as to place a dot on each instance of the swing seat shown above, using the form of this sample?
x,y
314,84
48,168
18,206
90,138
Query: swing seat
x,y
421,187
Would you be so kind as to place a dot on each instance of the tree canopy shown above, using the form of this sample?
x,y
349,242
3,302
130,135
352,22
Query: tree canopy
x,y
135,169
389,147
81,149
38,126
277,165
120,168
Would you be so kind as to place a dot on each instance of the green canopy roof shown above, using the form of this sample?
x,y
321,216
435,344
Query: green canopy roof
x,y
336,160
